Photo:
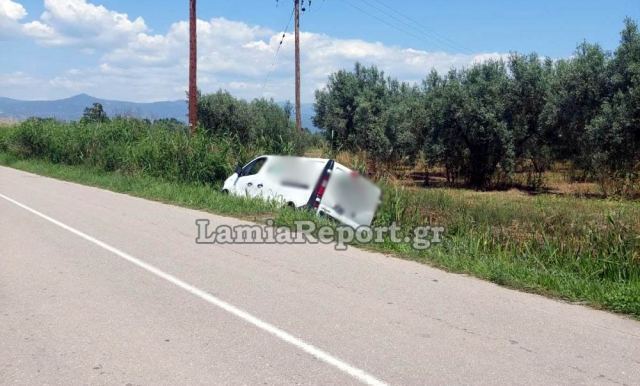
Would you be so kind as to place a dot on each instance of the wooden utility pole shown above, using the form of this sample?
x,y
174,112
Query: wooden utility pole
x,y
297,28
193,67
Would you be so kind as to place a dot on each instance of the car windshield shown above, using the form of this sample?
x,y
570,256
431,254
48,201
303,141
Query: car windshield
x,y
254,167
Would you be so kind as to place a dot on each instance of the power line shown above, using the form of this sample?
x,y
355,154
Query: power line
x,y
297,6
421,27
382,20
275,58
415,30
424,34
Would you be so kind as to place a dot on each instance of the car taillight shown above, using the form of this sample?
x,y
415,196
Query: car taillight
x,y
321,189
321,186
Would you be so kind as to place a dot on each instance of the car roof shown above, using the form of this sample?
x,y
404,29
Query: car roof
x,y
290,157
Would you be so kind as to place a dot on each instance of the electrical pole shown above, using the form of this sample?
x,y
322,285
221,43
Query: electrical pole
x,y
193,68
297,38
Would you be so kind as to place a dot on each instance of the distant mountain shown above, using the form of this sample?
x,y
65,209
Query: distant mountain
x,y
70,109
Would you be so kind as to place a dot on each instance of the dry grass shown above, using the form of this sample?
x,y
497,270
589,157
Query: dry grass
x,y
7,122
560,180
573,248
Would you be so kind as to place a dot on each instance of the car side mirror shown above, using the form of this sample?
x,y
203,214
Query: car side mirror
x,y
238,170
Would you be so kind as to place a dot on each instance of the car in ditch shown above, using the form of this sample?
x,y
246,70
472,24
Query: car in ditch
x,y
318,184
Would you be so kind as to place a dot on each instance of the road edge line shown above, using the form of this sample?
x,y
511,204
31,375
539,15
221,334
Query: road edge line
x,y
317,353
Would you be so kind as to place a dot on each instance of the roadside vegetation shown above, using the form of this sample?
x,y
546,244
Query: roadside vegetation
x,y
585,250
470,137
484,124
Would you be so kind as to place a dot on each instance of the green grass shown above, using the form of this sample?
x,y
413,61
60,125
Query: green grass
x,y
192,195
581,250
467,248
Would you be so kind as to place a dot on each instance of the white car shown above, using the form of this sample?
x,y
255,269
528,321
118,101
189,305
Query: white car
x,y
322,185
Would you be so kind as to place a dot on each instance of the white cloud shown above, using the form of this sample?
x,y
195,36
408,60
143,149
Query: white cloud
x,y
79,23
480,58
238,56
12,10
10,15
17,79
134,64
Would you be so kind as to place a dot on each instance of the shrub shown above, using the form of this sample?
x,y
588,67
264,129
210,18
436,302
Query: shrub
x,y
127,145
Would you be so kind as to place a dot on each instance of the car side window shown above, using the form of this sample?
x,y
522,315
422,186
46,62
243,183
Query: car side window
x,y
254,167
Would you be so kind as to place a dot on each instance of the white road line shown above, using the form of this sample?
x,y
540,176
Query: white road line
x,y
355,372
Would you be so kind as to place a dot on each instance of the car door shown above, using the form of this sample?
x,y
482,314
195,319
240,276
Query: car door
x,y
350,198
250,181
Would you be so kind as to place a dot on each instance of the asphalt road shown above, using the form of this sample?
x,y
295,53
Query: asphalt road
x,y
102,288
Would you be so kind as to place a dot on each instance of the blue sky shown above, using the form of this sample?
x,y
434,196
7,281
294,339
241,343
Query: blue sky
x,y
135,50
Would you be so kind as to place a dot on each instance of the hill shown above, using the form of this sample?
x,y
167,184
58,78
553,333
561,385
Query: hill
x,y
70,109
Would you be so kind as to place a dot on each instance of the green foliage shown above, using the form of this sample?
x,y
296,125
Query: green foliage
x,y
484,122
577,89
613,134
362,110
130,145
492,118
487,141
233,132
95,114
575,248
170,124
533,243
526,101
260,123
551,231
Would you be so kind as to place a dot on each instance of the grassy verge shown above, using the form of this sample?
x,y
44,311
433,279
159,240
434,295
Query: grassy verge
x,y
585,251
192,195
